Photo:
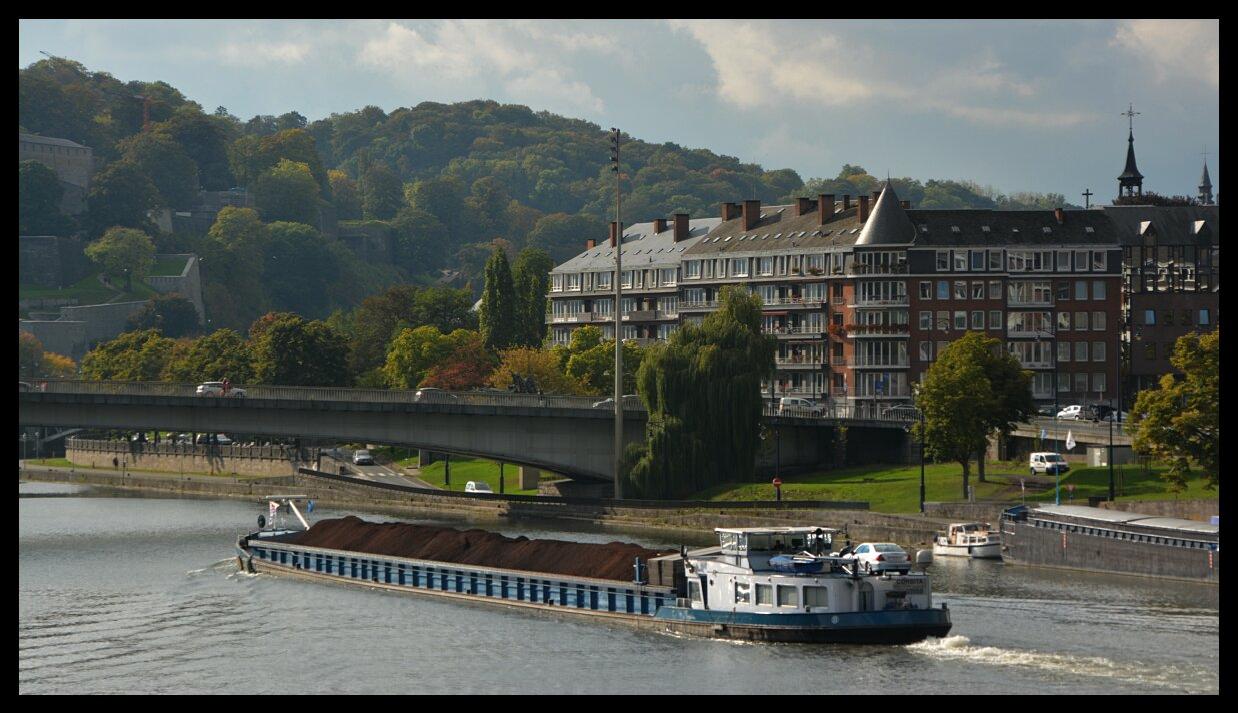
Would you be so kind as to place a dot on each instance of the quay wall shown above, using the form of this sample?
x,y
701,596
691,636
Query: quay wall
x,y
172,458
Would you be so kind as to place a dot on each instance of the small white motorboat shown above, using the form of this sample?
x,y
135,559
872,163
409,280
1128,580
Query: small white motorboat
x,y
968,539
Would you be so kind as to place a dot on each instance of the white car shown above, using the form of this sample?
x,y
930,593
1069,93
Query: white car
x,y
797,406
1050,463
216,388
476,486
881,557
1071,413
432,395
362,457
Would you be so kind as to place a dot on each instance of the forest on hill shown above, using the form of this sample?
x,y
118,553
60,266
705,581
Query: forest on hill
x,y
448,181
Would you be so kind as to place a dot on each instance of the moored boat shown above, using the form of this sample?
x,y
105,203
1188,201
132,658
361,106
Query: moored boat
x,y
977,540
760,584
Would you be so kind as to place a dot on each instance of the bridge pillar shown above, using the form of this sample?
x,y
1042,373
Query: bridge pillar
x,y
527,478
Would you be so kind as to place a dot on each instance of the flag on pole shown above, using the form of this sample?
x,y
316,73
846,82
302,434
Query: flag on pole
x,y
1043,434
1070,440
309,507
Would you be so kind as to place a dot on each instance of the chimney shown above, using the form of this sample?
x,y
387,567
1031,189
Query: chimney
x,y
846,202
825,207
802,205
730,211
590,244
1060,215
752,213
905,204
863,208
681,227
659,224
612,233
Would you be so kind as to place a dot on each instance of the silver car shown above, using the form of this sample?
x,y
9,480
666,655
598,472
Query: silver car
x,y
881,557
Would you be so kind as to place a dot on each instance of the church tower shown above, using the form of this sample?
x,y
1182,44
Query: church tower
x,y
1131,180
1205,186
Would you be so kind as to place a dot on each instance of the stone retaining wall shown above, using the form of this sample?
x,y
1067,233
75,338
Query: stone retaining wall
x,y
171,458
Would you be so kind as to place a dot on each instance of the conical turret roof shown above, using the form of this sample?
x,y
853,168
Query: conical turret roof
x,y
888,223
1131,171
1204,181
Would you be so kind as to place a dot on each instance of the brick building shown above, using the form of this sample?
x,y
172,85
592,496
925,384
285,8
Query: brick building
x,y
862,295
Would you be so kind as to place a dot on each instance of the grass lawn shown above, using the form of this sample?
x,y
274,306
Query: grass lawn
x,y
87,291
168,265
897,488
55,462
466,469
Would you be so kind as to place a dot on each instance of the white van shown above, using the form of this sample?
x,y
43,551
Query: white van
x,y
477,486
796,406
1047,463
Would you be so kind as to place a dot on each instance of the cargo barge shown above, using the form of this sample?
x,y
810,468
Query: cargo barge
x,y
1113,541
775,584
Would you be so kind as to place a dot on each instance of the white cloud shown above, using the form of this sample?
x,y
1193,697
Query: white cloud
x,y
1176,49
257,54
762,63
530,59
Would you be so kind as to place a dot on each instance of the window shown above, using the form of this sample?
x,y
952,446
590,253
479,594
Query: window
x,y
977,320
1063,383
1081,351
943,320
666,277
943,260
1081,382
1149,316
1081,321
765,594
977,260
1098,261
765,266
1186,317
1098,289
692,270
1098,351
995,289
960,261
995,319
943,290
1063,321
573,282
1149,351
1098,321
960,290
788,596
817,597
941,347
1081,260
1063,290
977,290
926,290
694,590
739,267
1098,382
1203,317
1169,317
603,279
1063,351
926,351
1081,290
926,320
995,260
743,593
1063,261
960,320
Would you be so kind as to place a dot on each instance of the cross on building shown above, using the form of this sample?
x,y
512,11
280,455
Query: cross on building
x,y
1087,195
1131,180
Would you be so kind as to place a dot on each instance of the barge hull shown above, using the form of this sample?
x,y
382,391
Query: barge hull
x,y
1028,545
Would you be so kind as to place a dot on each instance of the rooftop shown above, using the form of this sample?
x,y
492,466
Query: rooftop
x,y
642,248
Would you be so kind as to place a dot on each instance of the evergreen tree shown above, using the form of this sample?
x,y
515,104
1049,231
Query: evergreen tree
x,y
498,304
531,277
702,388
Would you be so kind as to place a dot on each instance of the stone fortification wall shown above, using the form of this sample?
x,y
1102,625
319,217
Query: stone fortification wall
x,y
62,337
188,284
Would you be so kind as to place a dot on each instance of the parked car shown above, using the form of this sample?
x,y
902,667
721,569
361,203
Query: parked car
x,y
1121,417
362,457
1049,411
476,486
629,400
1050,463
215,439
797,406
216,388
881,557
432,395
1071,413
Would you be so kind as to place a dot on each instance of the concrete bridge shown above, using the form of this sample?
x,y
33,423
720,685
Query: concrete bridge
x,y
563,434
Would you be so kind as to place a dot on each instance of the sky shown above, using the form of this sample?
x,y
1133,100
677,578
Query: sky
x,y
1019,105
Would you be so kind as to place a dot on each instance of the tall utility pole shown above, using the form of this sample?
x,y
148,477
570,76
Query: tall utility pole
x,y
614,161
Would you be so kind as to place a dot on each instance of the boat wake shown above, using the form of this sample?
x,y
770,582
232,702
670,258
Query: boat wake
x,y
213,567
960,648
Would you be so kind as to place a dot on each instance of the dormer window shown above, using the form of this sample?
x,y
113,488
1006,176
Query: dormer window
x,y
955,229
923,227
984,228
1047,230
1088,229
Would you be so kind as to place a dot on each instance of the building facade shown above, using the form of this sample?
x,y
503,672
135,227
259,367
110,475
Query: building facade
x,y
863,295
72,162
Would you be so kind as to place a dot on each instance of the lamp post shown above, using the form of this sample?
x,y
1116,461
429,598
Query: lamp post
x,y
615,138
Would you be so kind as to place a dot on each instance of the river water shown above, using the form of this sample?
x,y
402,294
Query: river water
x,y
123,594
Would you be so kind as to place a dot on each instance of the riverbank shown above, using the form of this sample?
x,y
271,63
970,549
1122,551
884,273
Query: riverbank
x,y
911,531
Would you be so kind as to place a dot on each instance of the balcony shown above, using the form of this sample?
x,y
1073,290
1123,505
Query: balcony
x,y
1042,333
697,306
793,301
813,361
893,393
863,270
1046,364
896,302
878,330
581,317
648,315
794,331
868,362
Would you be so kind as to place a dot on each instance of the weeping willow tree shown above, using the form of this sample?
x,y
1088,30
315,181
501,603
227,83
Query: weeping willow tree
x,y
702,388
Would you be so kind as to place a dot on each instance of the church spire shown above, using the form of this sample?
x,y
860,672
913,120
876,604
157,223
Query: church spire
x,y
1205,186
1131,180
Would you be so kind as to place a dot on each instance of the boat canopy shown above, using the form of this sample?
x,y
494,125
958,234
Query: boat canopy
x,y
741,541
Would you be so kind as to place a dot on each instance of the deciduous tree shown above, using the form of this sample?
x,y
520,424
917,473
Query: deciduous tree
x,y
165,162
288,192
212,357
415,351
173,315
120,194
345,194
294,352
539,364
123,252
132,356
38,200
381,192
